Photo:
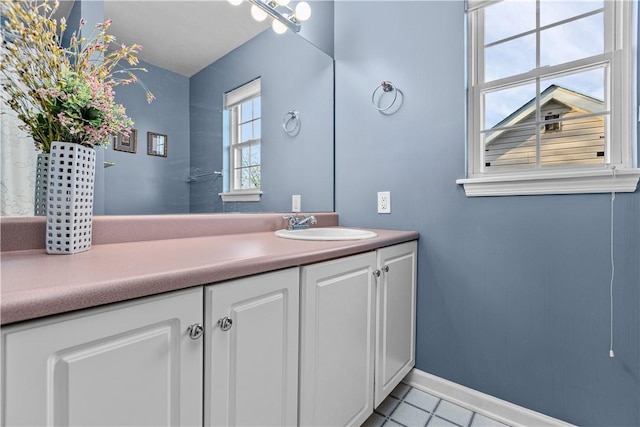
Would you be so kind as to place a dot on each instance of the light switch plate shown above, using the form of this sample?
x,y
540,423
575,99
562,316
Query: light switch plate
x,y
296,202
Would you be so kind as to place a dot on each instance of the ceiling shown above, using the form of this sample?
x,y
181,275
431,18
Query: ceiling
x,y
182,36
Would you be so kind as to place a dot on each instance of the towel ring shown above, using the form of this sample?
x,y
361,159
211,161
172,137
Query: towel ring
x,y
386,87
291,117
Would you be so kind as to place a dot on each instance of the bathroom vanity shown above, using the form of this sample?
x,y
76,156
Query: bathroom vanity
x,y
281,333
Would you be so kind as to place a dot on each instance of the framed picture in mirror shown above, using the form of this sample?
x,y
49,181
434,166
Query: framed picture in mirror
x,y
157,144
125,143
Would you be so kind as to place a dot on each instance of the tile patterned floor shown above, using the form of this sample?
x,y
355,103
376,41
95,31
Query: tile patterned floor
x,y
409,407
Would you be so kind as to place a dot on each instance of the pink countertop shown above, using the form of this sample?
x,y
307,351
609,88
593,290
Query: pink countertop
x,y
35,284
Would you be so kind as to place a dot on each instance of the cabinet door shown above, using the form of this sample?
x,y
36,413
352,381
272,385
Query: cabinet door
x,y
121,365
396,317
337,339
251,369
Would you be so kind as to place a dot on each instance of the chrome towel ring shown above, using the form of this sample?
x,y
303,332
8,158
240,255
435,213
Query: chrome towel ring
x,y
386,87
291,122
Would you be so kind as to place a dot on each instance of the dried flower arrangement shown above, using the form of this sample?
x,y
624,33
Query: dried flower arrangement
x,y
63,93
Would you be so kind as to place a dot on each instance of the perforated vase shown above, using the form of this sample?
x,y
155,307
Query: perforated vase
x,y
70,198
41,187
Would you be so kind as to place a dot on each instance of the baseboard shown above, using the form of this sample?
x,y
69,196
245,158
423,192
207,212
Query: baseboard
x,y
492,407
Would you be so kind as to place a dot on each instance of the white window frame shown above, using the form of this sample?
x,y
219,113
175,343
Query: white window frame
x,y
620,174
233,100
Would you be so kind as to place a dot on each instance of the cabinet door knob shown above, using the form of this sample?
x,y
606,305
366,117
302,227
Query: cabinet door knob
x,y
225,323
377,272
385,268
195,331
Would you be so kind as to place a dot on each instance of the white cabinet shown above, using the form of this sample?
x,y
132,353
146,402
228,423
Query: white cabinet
x,y
357,333
251,354
127,364
347,324
337,336
395,317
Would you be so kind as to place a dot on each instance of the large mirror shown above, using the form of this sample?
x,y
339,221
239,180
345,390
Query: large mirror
x,y
196,52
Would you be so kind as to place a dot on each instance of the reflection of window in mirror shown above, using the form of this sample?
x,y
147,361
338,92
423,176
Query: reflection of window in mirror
x,y
156,144
244,107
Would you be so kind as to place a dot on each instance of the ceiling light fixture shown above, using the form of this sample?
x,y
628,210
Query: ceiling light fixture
x,y
284,16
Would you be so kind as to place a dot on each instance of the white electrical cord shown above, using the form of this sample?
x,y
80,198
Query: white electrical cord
x,y
613,268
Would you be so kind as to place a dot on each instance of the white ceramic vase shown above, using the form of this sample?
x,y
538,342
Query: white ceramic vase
x,y
70,198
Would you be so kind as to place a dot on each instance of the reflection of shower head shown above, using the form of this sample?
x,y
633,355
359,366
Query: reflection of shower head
x,y
196,175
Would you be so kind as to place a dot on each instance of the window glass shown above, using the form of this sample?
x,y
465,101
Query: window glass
x,y
574,143
250,177
501,104
511,148
246,109
587,88
256,129
507,19
552,11
246,132
571,41
257,107
510,58
255,155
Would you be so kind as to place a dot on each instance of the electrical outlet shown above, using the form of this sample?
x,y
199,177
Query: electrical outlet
x,y
296,202
384,202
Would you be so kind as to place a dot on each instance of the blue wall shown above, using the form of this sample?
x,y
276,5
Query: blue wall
x,y
513,292
144,184
318,30
295,75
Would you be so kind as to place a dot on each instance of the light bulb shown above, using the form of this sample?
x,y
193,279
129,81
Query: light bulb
x,y
278,27
258,14
235,2
303,11
282,2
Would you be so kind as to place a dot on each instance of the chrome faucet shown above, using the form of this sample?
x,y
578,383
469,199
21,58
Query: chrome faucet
x,y
296,223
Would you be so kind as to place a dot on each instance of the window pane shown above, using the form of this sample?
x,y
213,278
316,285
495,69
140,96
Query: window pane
x,y
508,18
255,155
574,40
246,182
245,156
510,58
246,132
246,111
578,93
573,142
503,107
509,149
554,11
257,107
256,129
251,177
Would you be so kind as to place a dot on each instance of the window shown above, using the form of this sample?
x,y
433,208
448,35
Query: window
x,y
550,97
244,118
551,124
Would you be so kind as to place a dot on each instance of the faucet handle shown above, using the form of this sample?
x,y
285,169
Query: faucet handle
x,y
291,221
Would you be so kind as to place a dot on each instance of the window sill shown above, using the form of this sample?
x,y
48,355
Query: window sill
x,y
573,182
241,196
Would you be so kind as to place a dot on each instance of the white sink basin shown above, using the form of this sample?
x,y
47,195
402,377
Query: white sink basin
x,y
326,233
